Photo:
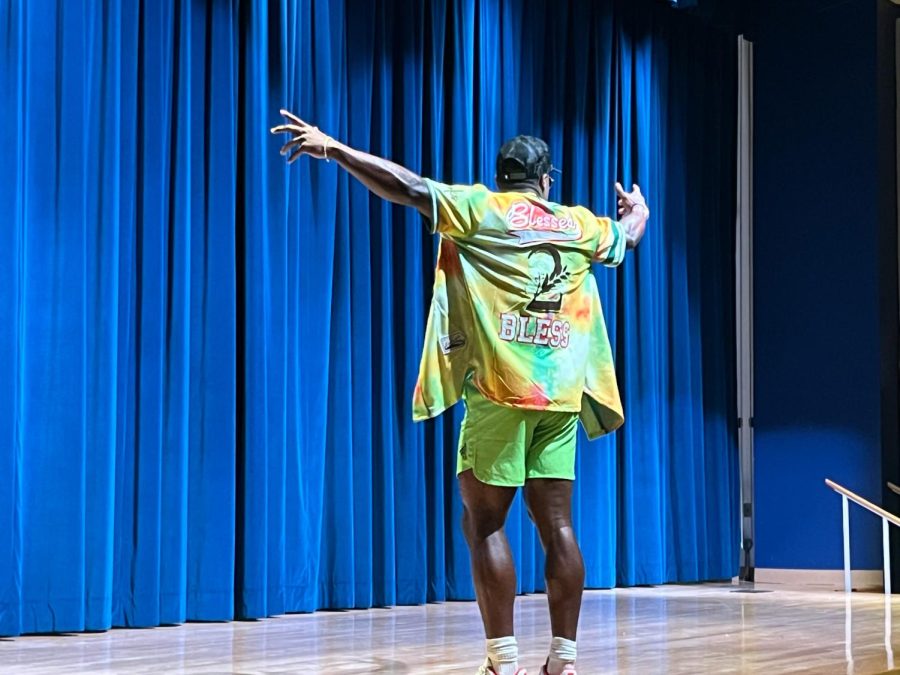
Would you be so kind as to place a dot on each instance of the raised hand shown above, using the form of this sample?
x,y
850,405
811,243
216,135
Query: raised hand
x,y
628,201
305,138
633,214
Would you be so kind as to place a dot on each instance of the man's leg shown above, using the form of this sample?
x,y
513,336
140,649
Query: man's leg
x,y
549,503
484,514
491,467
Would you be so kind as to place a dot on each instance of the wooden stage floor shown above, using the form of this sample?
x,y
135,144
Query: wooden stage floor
x,y
706,628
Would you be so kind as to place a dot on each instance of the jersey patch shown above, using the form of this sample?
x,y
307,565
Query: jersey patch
x,y
530,223
452,342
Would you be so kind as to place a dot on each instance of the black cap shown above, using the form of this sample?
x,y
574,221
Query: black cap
x,y
523,158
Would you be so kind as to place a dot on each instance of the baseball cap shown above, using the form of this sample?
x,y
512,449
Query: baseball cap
x,y
523,158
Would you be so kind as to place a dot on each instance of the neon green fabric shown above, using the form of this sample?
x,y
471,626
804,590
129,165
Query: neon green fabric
x,y
516,306
507,446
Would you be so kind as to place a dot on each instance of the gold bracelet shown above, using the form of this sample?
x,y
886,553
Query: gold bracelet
x,y
325,148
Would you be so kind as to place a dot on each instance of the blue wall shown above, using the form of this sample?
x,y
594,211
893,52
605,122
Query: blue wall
x,y
816,245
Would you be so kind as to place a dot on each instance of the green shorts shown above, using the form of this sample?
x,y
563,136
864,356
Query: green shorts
x,y
507,446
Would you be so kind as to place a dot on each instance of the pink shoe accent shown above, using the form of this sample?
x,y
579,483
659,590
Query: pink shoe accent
x,y
489,669
568,670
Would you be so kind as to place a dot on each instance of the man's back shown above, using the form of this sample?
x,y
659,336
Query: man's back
x,y
516,305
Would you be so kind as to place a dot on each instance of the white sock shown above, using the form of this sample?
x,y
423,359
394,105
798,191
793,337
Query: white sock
x,y
562,651
504,655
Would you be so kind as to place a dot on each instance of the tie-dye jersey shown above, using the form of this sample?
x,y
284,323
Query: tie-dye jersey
x,y
516,307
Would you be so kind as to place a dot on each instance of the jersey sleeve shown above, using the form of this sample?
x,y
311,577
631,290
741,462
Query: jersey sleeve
x,y
457,210
610,249
611,245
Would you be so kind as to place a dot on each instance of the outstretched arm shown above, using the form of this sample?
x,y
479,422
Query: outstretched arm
x,y
385,178
633,214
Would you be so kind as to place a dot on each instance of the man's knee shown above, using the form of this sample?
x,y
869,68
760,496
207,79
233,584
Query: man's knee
x,y
479,524
555,529
547,520
549,507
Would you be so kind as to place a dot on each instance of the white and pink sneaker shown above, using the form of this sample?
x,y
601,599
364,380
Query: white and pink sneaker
x,y
568,670
486,669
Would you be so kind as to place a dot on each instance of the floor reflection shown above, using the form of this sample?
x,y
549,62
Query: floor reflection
x,y
668,629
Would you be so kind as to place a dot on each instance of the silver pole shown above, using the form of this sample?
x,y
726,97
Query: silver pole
x,y
886,550
744,301
845,506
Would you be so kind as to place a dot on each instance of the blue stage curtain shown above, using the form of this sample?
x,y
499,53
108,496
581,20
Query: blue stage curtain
x,y
207,357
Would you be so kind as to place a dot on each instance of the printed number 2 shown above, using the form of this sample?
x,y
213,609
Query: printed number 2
x,y
546,283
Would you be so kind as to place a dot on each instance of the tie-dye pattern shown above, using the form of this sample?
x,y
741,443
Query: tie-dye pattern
x,y
515,306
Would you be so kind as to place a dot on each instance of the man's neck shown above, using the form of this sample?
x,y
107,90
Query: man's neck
x,y
524,189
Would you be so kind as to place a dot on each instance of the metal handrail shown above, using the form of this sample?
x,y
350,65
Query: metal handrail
x,y
865,503
886,518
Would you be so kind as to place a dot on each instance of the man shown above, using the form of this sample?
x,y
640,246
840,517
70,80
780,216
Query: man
x,y
517,331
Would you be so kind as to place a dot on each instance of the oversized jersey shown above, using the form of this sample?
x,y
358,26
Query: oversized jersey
x,y
516,308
